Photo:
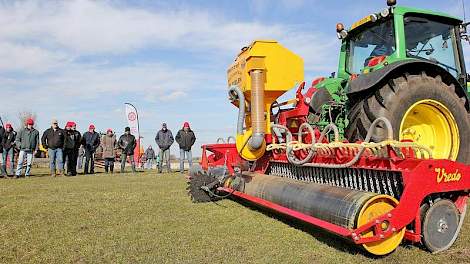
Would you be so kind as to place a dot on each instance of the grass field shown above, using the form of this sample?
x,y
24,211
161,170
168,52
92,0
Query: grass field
x,y
147,218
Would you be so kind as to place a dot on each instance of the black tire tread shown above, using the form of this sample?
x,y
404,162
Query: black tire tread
x,y
400,91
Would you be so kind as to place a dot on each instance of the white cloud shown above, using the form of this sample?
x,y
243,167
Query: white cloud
x,y
39,37
29,59
94,27
157,81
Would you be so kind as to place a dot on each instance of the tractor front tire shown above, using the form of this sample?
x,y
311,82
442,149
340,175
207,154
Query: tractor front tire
x,y
420,108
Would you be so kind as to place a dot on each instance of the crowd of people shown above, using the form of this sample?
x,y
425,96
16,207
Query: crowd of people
x,y
69,150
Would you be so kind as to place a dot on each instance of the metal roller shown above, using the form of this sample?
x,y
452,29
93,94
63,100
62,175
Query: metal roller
x,y
340,206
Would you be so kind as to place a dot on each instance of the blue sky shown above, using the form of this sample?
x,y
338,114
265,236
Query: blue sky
x,y
82,60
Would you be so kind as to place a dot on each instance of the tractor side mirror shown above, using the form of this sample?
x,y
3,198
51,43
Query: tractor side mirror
x,y
463,32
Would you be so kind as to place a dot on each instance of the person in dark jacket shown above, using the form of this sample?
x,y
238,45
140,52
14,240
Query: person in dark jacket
x,y
149,157
2,133
78,144
109,145
27,140
7,142
72,139
185,139
127,144
164,140
90,141
53,140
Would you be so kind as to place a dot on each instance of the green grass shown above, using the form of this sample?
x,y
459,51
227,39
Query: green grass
x,y
144,217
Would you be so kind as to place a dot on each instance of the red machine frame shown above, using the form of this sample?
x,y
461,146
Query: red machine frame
x,y
421,178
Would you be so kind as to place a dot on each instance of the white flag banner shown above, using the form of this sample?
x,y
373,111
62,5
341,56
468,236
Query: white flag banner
x,y
132,120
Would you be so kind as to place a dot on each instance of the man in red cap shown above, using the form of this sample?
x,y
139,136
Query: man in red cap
x,y
7,142
72,140
27,141
90,141
78,144
185,139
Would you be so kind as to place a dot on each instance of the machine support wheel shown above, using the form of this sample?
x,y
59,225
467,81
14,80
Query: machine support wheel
x,y
374,207
441,225
421,108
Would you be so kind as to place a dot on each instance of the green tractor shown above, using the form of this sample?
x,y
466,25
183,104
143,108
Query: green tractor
x,y
407,65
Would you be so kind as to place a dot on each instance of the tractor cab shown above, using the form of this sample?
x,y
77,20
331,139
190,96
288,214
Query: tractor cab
x,y
401,33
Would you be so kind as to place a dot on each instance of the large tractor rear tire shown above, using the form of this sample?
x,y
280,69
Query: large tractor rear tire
x,y
421,108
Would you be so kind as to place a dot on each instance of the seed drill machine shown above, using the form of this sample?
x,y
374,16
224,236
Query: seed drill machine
x,y
376,153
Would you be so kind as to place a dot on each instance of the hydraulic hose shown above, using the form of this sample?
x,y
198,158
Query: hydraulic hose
x,y
234,94
331,127
371,130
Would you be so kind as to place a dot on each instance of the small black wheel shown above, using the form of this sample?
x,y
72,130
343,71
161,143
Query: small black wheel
x,y
440,225
196,179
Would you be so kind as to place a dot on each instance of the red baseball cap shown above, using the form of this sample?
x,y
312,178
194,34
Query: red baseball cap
x,y
73,123
109,130
186,124
69,124
91,126
7,125
30,121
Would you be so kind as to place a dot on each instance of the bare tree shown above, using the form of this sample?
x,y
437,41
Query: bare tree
x,y
4,119
25,115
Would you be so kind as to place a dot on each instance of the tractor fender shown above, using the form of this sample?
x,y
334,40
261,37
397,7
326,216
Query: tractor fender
x,y
412,66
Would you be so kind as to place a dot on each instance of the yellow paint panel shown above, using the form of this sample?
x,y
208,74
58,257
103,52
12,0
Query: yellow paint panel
x,y
284,69
362,21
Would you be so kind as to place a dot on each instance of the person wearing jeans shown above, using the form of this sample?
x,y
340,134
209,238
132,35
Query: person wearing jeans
x,y
53,140
149,157
8,142
164,140
27,140
188,155
185,139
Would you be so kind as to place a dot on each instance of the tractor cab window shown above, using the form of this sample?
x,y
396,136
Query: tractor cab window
x,y
433,41
374,41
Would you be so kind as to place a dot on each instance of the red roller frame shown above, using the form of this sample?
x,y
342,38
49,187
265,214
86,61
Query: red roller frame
x,y
421,178
420,181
